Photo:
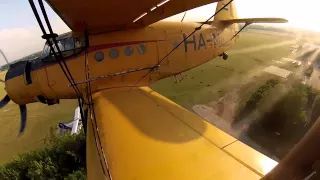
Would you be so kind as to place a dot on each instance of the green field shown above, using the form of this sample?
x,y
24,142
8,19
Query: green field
x,y
202,84
213,79
40,118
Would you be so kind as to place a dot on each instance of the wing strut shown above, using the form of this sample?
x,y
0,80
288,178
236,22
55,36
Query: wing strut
x,y
51,37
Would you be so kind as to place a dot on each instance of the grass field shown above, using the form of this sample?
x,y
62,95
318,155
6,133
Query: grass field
x,y
204,83
40,118
211,80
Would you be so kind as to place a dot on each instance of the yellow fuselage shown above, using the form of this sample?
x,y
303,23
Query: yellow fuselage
x,y
123,51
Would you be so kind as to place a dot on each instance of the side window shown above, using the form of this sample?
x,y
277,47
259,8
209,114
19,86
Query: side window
x,y
47,54
46,51
79,42
55,48
68,44
69,47
60,45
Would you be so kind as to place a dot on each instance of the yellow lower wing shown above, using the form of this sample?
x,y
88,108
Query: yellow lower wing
x,y
145,136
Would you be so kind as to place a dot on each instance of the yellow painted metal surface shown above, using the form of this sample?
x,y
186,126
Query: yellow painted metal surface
x,y
145,136
212,133
252,158
158,39
53,84
230,13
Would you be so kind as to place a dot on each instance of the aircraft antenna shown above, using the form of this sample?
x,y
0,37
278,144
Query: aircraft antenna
x,y
4,56
195,30
184,15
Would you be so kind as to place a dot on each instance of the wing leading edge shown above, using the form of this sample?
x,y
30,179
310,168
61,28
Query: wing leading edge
x,y
247,21
254,20
146,136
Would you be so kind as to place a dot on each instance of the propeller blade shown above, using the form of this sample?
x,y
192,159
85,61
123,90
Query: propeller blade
x,y
23,113
4,101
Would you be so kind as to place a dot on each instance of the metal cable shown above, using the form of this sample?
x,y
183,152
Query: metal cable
x,y
70,78
45,35
195,30
239,31
66,72
94,123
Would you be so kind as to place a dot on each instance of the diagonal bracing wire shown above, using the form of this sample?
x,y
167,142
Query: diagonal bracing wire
x,y
195,30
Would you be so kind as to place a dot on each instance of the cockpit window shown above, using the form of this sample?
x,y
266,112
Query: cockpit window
x,y
60,45
46,51
79,43
68,46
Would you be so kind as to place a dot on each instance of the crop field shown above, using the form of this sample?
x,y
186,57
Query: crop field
x,y
205,83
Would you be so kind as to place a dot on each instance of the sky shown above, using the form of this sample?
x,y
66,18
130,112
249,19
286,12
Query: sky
x,y
20,33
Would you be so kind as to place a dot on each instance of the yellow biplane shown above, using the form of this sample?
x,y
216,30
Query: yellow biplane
x,y
115,51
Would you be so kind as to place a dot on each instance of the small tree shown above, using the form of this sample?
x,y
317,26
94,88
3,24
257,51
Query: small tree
x,y
62,158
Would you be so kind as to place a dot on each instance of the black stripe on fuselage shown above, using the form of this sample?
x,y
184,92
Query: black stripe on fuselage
x,y
17,69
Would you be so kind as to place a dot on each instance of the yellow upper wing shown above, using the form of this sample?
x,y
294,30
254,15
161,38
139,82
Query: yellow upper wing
x,y
144,135
103,15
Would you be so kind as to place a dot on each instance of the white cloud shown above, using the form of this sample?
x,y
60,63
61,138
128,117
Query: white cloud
x,y
19,42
